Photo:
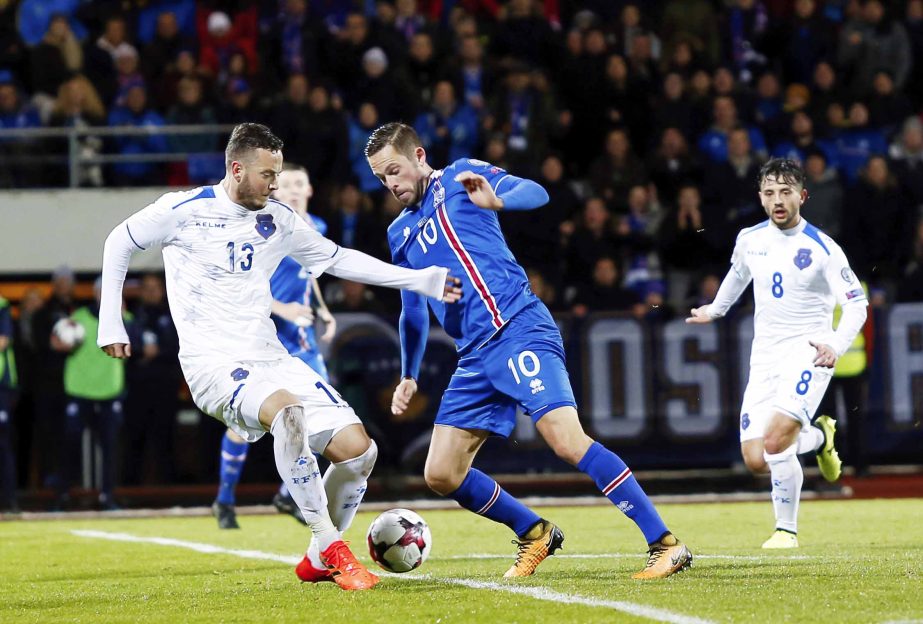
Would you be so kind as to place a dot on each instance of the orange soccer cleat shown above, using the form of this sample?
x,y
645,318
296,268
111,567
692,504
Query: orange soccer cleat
x,y
307,573
345,570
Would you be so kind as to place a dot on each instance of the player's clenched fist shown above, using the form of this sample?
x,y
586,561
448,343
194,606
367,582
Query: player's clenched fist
x,y
402,395
118,350
699,315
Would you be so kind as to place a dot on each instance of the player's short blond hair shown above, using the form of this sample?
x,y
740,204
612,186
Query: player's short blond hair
x,y
403,138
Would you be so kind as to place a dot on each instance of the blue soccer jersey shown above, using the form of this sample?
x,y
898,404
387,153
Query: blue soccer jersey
x,y
292,283
448,230
510,350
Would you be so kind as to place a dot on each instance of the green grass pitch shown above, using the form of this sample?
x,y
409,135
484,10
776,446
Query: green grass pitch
x,y
860,561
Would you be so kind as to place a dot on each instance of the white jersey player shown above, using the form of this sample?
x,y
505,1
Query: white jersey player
x,y
220,245
798,274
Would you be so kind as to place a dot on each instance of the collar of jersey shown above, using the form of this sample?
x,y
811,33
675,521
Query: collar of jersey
x,y
798,229
435,175
222,196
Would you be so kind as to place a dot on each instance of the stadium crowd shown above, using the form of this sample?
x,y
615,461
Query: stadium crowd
x,y
645,121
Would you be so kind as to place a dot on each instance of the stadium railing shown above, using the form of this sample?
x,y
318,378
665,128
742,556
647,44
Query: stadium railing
x,y
24,148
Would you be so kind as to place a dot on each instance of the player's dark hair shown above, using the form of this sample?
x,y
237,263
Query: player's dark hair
x,y
246,138
784,170
400,136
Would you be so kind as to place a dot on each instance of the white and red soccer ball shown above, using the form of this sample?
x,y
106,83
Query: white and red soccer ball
x,y
399,540
69,332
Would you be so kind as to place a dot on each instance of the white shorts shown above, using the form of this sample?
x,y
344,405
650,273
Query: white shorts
x,y
233,392
792,385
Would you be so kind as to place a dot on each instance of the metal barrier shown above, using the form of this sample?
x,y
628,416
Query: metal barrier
x,y
75,159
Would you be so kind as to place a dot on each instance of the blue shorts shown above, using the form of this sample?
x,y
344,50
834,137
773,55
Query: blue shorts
x,y
523,365
315,360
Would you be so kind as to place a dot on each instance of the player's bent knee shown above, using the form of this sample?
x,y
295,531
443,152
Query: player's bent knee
x,y
363,464
755,464
571,451
442,482
774,444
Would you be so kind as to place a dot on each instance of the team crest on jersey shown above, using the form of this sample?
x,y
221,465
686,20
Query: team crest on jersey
x,y
803,259
264,225
847,275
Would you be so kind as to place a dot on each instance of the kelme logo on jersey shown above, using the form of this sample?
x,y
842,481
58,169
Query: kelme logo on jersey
x,y
264,225
803,259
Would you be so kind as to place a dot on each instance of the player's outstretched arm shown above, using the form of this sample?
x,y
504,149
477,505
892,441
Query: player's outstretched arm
x,y
511,193
433,281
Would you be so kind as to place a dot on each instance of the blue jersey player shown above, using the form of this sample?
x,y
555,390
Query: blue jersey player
x,y
510,350
295,293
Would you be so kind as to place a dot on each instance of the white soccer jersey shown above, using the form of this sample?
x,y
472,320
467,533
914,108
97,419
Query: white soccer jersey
x,y
218,258
798,275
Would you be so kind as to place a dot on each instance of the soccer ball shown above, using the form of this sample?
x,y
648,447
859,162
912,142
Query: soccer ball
x,y
399,540
70,332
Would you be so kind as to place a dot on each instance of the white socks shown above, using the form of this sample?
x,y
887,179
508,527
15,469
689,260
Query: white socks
x,y
345,485
787,478
299,472
809,440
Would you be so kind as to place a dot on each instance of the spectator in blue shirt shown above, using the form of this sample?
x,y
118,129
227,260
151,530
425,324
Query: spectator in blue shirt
x,y
857,143
14,114
360,129
714,142
137,113
449,130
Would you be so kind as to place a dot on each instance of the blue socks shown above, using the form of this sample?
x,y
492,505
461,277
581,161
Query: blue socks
x,y
482,495
233,456
617,483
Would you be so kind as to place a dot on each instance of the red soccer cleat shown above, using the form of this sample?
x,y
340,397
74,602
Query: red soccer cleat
x,y
307,573
345,570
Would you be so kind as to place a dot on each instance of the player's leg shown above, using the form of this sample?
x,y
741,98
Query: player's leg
x,y
448,472
798,393
819,437
7,456
527,364
282,500
284,415
75,416
352,456
109,424
562,430
233,457
780,452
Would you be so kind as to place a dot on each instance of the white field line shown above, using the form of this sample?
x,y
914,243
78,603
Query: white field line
x,y
539,593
